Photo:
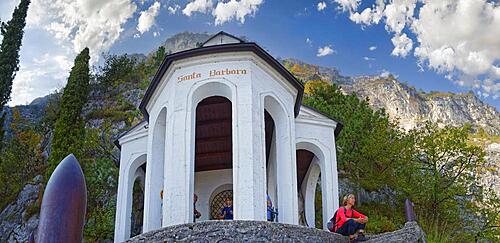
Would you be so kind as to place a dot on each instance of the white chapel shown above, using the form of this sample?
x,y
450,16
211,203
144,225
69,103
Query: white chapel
x,y
226,120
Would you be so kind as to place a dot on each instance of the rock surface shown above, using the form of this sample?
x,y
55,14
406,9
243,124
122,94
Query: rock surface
x,y
411,232
412,108
16,225
260,231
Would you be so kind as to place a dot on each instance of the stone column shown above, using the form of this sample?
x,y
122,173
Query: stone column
x,y
248,156
122,232
154,173
286,170
329,184
179,171
309,190
335,177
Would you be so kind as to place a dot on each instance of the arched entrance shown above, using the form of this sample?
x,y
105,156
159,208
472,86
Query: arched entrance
x,y
313,209
137,213
213,154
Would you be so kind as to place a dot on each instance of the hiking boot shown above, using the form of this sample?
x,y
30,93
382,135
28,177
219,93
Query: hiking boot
x,y
361,237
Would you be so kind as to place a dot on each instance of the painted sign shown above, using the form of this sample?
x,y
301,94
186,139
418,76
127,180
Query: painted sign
x,y
212,73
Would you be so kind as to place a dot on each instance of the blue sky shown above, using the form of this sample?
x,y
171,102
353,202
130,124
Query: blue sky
x,y
282,28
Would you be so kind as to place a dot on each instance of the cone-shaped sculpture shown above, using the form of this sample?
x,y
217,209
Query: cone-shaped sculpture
x,y
409,212
62,214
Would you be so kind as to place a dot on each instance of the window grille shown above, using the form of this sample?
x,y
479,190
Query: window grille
x,y
218,202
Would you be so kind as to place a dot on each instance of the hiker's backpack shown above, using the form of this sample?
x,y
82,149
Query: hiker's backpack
x,y
333,221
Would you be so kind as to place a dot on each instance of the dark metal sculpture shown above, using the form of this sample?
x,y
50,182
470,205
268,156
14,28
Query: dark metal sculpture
x,y
409,212
62,214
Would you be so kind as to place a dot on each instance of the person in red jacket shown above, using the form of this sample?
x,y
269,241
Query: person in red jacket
x,y
349,221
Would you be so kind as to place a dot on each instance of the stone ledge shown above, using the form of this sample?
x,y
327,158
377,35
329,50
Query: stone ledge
x,y
238,231
261,231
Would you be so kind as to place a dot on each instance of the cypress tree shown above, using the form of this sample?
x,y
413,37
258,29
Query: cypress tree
x,y
69,129
12,33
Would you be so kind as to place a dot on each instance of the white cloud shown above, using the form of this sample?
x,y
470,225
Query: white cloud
x,y
321,6
369,15
238,10
368,59
82,23
457,38
348,5
385,73
202,6
372,48
6,9
56,30
39,76
224,11
173,9
325,51
147,18
402,45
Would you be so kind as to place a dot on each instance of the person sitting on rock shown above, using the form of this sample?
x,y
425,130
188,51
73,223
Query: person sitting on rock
x,y
227,212
348,221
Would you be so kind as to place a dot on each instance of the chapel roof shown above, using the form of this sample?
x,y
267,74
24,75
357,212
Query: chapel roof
x,y
226,43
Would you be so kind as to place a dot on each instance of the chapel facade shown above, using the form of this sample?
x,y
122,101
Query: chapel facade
x,y
226,120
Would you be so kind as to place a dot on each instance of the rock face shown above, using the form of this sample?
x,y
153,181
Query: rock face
x,y
412,107
260,231
16,225
185,40
411,232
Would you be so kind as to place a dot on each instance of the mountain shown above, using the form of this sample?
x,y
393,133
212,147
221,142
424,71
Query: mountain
x,y
412,107
185,40
404,103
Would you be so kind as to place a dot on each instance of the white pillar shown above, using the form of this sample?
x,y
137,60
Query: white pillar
x,y
309,190
122,232
335,177
154,173
329,186
248,157
286,165
179,172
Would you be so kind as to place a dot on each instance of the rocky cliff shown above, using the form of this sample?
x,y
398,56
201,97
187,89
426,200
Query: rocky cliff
x,y
411,107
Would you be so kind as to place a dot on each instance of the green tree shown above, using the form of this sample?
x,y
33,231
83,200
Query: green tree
x,y
22,159
159,56
101,177
12,33
117,69
69,131
369,146
487,210
441,178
